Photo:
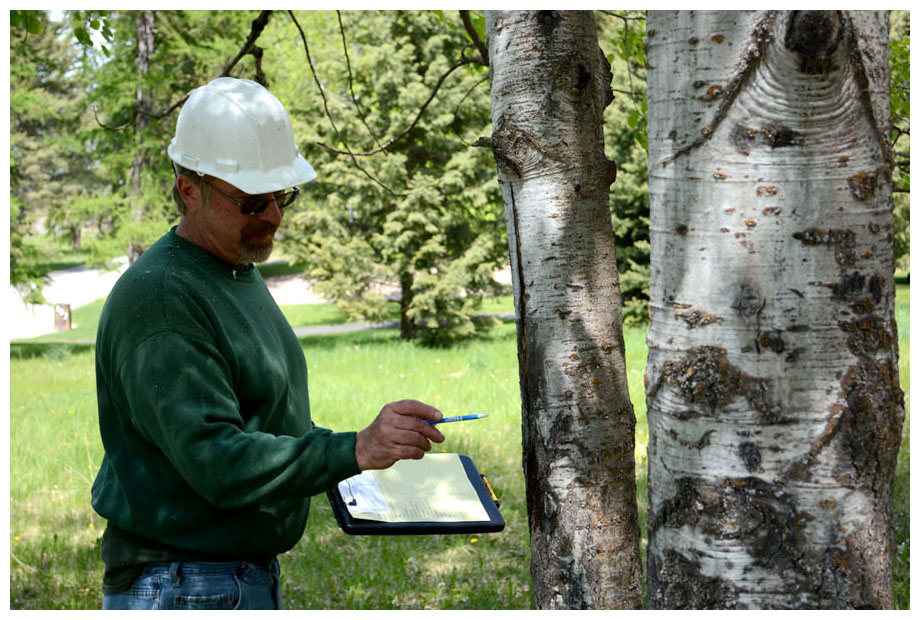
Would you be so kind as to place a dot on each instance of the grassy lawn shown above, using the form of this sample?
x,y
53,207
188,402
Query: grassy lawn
x,y
84,319
55,453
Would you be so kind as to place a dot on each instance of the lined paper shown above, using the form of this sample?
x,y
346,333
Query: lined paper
x,y
434,488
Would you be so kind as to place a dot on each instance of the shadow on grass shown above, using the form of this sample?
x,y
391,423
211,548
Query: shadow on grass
x,y
458,571
50,350
387,335
364,337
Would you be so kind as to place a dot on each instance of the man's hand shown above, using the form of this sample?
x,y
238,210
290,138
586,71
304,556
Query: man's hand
x,y
400,431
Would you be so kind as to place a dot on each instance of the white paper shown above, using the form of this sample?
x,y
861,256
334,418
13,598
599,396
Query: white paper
x,y
361,494
435,488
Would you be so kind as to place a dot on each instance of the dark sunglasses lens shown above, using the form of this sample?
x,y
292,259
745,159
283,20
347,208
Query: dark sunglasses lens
x,y
254,206
286,200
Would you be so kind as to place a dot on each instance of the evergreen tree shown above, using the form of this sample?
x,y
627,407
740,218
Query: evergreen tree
x,y
47,162
899,56
622,36
423,215
137,111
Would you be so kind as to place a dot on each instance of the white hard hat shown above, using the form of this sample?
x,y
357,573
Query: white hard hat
x,y
237,131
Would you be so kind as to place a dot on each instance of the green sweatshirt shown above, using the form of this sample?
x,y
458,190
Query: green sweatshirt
x,y
204,412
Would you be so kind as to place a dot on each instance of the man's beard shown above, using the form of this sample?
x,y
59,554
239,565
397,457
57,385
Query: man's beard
x,y
252,248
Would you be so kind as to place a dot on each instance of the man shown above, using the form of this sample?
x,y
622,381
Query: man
x,y
210,453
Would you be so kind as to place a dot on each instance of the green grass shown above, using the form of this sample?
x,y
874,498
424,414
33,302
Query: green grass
x,y
350,377
901,504
280,268
84,319
309,315
55,453
57,252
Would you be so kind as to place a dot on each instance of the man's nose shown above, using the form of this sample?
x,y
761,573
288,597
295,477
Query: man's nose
x,y
272,213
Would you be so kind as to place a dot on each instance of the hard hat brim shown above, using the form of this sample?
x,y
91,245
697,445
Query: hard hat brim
x,y
237,131
255,182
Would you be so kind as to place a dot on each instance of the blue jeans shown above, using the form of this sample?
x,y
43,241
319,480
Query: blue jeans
x,y
201,585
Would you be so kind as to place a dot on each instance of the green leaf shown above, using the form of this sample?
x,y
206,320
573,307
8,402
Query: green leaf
x,y
83,37
33,24
15,19
478,19
633,119
94,24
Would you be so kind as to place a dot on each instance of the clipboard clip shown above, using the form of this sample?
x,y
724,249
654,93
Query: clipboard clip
x,y
491,492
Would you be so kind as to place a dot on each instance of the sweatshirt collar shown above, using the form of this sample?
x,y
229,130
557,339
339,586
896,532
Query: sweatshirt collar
x,y
237,272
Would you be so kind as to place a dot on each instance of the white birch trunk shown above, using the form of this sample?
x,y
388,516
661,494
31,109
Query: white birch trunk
x,y
550,85
772,382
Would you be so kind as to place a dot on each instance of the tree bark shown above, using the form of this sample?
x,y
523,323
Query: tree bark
x,y
76,236
145,45
550,85
772,382
406,324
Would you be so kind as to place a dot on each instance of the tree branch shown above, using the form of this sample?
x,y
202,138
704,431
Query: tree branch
x,y
134,116
629,73
624,17
258,25
404,132
474,36
257,53
326,108
351,86
457,109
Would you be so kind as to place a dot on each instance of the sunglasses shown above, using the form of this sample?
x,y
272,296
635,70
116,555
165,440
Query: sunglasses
x,y
253,205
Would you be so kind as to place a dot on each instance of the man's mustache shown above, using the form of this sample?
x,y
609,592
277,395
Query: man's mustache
x,y
259,229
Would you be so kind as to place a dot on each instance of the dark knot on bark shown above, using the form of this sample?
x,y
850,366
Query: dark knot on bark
x,y
610,172
815,35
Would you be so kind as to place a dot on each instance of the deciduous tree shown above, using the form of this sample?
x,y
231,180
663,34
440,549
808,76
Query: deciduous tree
x,y
550,85
773,400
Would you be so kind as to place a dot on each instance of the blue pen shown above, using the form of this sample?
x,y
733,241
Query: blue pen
x,y
460,418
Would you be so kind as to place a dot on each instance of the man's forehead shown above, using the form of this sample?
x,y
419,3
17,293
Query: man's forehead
x,y
226,187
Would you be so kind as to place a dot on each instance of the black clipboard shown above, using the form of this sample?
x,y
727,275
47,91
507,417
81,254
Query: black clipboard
x,y
351,525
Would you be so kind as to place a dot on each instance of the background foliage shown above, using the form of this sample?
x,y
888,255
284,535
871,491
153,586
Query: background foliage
x,y
73,199
421,220
899,55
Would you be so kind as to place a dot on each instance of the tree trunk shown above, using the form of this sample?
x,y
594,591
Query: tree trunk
x,y
76,236
772,382
550,85
145,43
406,323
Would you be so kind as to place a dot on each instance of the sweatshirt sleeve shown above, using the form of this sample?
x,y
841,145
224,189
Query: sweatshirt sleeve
x,y
180,398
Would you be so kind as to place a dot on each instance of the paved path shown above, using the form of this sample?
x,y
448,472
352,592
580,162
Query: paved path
x,y
79,286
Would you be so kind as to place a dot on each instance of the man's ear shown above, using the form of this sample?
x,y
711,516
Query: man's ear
x,y
190,193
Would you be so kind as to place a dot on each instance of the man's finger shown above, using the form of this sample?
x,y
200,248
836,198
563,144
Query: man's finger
x,y
400,438
415,408
413,424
